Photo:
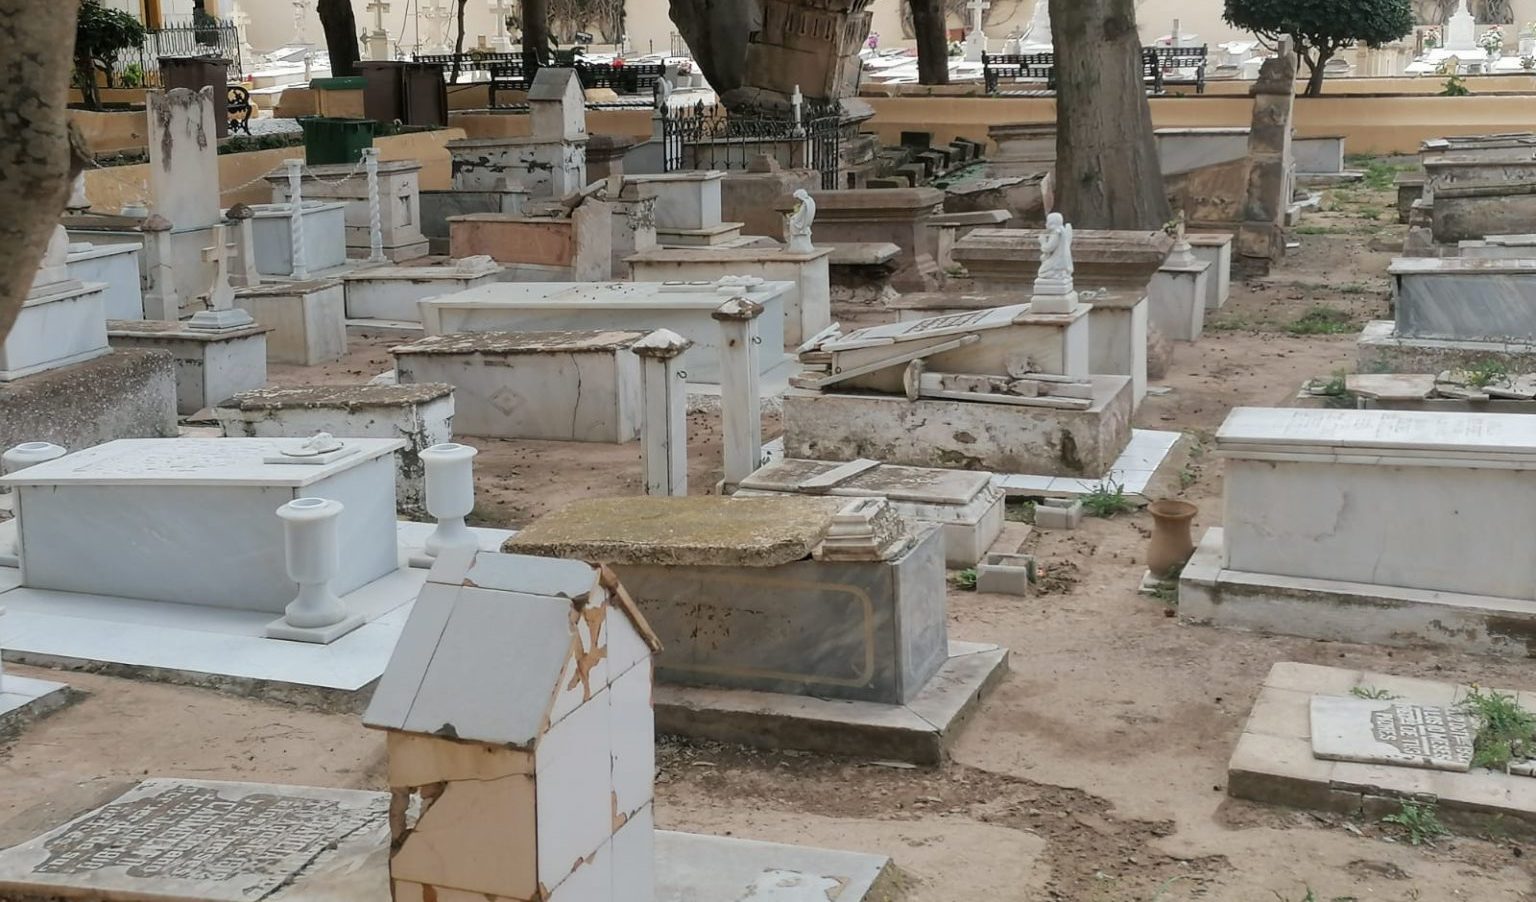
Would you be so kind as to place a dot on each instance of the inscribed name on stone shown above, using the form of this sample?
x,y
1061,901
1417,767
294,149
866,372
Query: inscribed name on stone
x,y
1397,733
208,841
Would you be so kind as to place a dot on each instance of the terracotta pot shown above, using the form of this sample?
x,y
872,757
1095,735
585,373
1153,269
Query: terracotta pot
x,y
1171,543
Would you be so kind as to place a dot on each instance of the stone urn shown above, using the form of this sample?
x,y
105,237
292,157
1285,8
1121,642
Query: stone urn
x,y
1172,543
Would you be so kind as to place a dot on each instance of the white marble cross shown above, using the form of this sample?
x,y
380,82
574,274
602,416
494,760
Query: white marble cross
x,y
978,8
378,8
500,8
220,296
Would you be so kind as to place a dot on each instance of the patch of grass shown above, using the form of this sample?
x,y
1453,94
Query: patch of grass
x,y
1485,373
1506,731
1372,692
1107,499
1355,288
1334,387
1418,822
1322,320
965,580
1380,175
1187,477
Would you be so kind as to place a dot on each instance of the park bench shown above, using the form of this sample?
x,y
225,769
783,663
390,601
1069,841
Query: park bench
x,y
1025,68
1182,65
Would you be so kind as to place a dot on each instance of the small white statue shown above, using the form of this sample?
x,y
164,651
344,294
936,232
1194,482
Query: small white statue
x,y
798,223
663,92
1056,250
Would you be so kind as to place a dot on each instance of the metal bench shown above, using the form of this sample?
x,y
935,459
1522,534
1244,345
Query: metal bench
x,y
1021,68
1174,63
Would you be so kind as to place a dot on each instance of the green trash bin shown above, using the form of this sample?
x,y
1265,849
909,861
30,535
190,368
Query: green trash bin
x,y
331,140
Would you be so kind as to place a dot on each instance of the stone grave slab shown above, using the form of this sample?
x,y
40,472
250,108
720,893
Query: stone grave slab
x,y
1400,733
172,840
198,841
23,699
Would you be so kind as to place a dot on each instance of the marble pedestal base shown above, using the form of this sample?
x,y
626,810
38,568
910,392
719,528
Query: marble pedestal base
x,y
308,320
1178,300
210,366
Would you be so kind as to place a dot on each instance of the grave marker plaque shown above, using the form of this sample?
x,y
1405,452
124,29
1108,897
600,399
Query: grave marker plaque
x,y
1387,732
174,839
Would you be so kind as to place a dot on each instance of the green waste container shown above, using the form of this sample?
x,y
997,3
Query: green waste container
x,y
331,140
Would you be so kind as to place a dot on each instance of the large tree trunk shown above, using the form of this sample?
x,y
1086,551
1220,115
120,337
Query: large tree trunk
x,y
458,45
716,32
932,46
1316,70
340,35
36,156
1107,173
536,30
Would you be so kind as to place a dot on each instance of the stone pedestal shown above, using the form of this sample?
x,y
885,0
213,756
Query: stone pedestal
x,y
896,215
1008,439
549,169
392,293
1117,333
634,225
1261,236
307,319
324,233
1350,488
751,197
421,414
1007,260
577,248
57,325
571,386
399,204
157,519
807,308
211,366
115,266
1215,249
1177,296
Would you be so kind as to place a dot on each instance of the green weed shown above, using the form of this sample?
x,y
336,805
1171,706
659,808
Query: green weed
x,y
1506,731
1485,373
965,580
1419,822
1371,692
1322,320
1107,499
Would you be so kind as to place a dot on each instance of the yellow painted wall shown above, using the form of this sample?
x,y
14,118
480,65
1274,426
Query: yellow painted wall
x,y
634,123
240,174
1369,124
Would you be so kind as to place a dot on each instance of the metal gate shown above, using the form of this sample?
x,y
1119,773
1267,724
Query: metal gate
x,y
705,136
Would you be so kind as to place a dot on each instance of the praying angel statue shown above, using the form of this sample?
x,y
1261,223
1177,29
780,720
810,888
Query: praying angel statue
x,y
799,223
1056,250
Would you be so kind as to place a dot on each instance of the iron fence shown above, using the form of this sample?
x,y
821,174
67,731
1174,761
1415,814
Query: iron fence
x,y
202,36
705,136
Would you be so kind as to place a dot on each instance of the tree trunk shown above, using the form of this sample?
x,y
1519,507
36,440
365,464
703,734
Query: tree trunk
x,y
458,45
1107,172
340,35
536,30
1316,70
36,156
716,32
85,69
932,46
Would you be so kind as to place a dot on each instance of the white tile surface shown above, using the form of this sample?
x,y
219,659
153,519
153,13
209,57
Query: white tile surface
x,y
575,803
572,691
625,647
634,858
592,881
634,740
1133,469
696,868
197,640
196,461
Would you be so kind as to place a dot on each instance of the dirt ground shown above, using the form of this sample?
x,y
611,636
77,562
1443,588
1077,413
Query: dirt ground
x,y
1094,772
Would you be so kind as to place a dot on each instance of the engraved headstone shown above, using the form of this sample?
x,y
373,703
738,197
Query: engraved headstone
x,y
1391,732
195,840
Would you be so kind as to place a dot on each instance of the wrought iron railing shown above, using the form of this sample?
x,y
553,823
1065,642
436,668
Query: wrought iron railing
x,y
704,136
202,36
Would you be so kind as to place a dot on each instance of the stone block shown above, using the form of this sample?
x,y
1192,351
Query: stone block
x,y
56,326
1177,299
578,247
211,366
1002,438
122,394
399,204
323,230
1215,249
752,198
117,267
307,319
688,200
1005,574
438,206
1117,334
392,292
1009,259
1058,513
420,414
551,386
549,169
807,308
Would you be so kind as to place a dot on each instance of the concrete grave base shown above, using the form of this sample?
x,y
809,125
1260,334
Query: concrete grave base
x,y
1178,296
1350,612
209,841
23,700
124,394
308,320
218,647
1381,350
210,366
1147,460
1274,763
1214,248
919,731
964,435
